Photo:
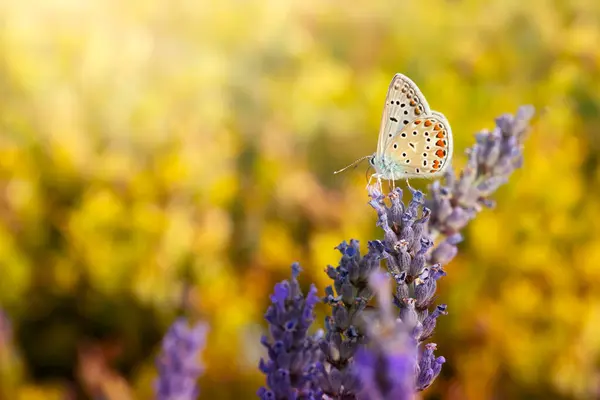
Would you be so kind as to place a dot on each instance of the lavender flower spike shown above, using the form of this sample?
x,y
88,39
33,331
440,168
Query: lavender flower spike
x,y
293,356
407,242
404,249
415,264
345,327
178,364
492,160
387,367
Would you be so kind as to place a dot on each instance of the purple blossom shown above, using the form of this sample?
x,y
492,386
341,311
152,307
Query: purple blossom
x,y
492,160
404,249
345,330
387,366
178,364
429,367
294,356
407,243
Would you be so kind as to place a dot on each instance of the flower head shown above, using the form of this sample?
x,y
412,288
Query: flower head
x,y
291,368
429,367
178,364
492,160
404,249
386,367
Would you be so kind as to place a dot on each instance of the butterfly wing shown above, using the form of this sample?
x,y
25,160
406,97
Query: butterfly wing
x,y
422,148
404,102
449,147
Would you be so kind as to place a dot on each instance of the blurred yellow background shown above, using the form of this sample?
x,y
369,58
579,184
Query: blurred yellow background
x,y
157,151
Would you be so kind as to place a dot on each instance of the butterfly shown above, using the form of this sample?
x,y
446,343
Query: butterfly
x,y
414,141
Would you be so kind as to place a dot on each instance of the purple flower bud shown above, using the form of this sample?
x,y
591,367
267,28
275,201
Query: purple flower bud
x,y
429,367
416,202
390,236
458,219
406,234
396,211
425,286
408,315
444,253
404,258
430,321
444,209
493,150
491,161
402,290
340,314
449,176
490,185
420,226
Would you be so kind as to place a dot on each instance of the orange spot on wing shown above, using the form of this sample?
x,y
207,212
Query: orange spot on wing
x,y
413,103
437,127
427,123
440,153
440,134
417,121
417,111
440,143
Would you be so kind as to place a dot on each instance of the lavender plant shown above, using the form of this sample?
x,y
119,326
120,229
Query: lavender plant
x,y
359,360
293,353
389,367
344,328
178,364
386,366
404,248
456,200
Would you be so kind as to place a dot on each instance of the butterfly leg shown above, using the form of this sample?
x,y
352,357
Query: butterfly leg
x,y
408,184
371,179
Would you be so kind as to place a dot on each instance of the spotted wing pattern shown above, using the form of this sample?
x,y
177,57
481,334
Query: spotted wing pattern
x,y
404,102
422,148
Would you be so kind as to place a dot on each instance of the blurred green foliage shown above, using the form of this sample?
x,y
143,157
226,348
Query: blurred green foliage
x,y
159,156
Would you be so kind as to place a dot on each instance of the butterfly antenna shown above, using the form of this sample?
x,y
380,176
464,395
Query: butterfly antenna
x,y
351,165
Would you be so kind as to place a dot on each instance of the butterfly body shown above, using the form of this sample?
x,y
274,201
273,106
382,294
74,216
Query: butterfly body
x,y
414,141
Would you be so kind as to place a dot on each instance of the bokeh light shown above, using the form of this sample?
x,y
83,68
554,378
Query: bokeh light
x,y
167,157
